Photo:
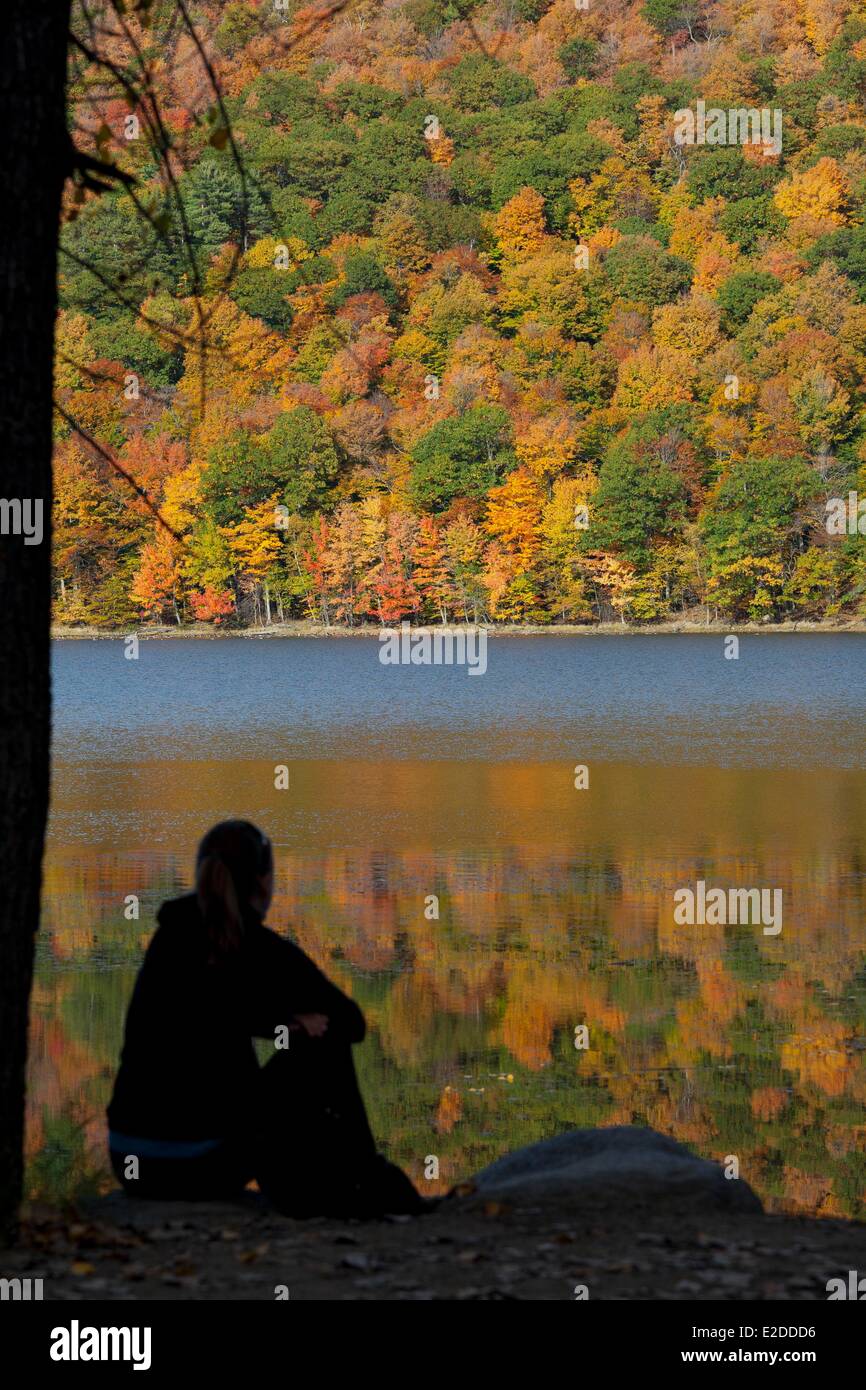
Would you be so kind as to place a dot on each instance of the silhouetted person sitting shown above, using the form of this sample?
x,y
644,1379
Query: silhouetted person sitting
x,y
193,1115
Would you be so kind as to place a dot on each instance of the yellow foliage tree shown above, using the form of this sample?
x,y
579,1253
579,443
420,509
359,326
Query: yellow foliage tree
x,y
71,350
513,517
563,522
820,192
547,446
441,149
520,229
690,327
693,227
255,544
182,498
651,378
269,251
617,189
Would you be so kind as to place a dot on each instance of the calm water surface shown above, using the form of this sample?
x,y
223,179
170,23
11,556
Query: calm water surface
x,y
555,905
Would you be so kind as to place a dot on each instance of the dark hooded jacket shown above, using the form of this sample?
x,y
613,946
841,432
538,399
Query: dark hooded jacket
x,y
188,1068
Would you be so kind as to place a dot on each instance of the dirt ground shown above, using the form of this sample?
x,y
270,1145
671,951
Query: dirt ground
x,y
466,1249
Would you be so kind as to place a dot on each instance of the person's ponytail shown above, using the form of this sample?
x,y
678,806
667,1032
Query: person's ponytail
x,y
218,903
233,859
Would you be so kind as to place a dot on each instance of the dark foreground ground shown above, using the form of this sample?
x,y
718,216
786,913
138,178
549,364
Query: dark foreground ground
x,y
467,1249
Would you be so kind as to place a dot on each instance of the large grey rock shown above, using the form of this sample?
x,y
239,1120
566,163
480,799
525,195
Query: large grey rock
x,y
633,1165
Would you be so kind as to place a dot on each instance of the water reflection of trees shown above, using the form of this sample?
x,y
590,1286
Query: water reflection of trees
x,y
732,1042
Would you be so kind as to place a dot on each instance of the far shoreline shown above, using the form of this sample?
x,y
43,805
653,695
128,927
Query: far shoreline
x,y
306,628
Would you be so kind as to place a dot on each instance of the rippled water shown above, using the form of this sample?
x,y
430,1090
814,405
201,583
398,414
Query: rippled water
x,y
556,905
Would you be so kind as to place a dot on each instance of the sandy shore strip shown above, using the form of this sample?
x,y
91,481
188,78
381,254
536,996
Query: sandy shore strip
x,y
305,628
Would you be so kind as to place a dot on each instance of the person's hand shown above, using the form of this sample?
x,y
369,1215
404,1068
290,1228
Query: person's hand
x,y
314,1025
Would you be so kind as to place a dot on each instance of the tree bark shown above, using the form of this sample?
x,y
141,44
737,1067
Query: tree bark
x,y
32,101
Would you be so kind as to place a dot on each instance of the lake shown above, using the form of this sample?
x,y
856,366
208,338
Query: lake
x,y
556,909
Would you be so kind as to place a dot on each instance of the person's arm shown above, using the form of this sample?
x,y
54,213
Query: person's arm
x,y
294,986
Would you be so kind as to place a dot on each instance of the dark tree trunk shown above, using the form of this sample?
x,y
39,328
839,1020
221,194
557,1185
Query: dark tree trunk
x,y
32,99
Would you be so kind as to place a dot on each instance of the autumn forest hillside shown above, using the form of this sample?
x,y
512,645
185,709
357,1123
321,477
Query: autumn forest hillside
x,y
421,309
